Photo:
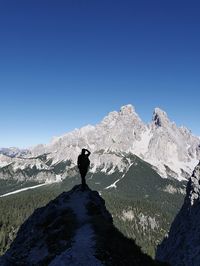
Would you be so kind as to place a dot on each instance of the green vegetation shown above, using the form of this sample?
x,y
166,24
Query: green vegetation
x,y
139,220
113,247
12,185
140,206
55,227
15,209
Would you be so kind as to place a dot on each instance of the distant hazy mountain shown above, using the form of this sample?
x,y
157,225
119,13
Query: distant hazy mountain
x,y
172,150
182,246
14,152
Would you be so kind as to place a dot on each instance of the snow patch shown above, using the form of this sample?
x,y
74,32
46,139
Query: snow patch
x,y
21,190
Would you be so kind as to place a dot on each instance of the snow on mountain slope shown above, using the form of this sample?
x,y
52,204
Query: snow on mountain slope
x,y
172,150
22,190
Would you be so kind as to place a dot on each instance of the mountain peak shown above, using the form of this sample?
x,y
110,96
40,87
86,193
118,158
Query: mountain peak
x,y
127,109
160,117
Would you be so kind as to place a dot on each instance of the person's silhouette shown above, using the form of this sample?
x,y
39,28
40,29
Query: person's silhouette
x,y
83,165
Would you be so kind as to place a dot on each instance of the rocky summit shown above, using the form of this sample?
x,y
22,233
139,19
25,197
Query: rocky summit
x,y
182,245
73,229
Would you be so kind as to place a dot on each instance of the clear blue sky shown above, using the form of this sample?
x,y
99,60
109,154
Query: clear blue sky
x,y
64,64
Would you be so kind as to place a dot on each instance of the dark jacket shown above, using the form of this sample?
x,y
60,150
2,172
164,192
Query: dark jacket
x,y
83,161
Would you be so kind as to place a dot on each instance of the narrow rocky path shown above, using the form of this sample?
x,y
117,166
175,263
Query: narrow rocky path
x,y
83,244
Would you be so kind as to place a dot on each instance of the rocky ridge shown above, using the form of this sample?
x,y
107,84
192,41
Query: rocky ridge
x,y
73,229
182,245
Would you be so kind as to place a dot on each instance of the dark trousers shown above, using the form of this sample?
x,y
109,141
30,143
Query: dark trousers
x,y
83,173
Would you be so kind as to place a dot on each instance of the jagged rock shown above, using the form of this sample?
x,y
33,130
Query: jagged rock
x,y
172,150
73,229
160,118
182,245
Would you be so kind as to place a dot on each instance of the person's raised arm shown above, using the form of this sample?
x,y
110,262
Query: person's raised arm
x,y
88,152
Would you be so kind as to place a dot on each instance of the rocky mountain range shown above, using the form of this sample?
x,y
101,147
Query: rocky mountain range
x,y
173,151
139,169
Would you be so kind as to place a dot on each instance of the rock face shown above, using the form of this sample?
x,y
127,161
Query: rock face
x,y
74,229
172,150
182,246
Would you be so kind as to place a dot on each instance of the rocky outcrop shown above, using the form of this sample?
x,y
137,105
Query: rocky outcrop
x,y
182,245
73,229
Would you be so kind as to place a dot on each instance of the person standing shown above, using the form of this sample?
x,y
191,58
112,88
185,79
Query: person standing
x,y
83,165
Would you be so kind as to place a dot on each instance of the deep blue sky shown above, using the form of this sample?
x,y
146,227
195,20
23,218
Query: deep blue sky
x,y
64,64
